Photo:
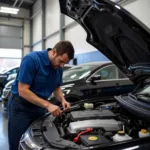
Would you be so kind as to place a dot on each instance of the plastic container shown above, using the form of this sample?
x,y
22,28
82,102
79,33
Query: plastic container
x,y
88,105
121,136
143,133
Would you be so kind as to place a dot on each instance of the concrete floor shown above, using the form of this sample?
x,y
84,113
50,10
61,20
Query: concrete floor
x,y
3,129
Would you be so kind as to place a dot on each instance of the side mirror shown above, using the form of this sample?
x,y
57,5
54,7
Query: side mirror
x,y
95,78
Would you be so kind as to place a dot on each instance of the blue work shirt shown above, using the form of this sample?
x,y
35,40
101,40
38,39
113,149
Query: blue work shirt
x,y
36,70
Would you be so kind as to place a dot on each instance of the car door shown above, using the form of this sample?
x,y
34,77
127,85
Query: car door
x,y
112,82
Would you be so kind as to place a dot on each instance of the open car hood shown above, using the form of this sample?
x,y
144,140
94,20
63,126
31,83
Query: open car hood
x,y
115,32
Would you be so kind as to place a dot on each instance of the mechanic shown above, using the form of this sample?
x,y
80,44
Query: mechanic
x,y
39,75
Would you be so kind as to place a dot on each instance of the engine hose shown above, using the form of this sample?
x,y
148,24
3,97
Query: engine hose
x,y
62,133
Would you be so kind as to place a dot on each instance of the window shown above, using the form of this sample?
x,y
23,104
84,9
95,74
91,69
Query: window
x,y
77,73
121,75
9,58
108,72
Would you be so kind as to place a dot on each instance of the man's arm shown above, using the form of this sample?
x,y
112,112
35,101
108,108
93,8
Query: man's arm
x,y
59,96
27,94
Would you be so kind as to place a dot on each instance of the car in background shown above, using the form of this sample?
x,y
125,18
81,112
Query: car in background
x,y
91,80
102,123
11,78
67,66
4,76
6,94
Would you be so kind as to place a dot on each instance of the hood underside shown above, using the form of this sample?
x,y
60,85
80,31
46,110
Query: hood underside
x,y
114,32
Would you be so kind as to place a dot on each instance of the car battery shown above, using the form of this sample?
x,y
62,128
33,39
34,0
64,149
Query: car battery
x,y
91,140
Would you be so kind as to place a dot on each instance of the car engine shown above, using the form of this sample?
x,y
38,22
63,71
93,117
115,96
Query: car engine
x,y
100,124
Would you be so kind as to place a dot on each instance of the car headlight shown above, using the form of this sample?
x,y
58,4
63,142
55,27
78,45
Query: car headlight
x,y
66,91
29,143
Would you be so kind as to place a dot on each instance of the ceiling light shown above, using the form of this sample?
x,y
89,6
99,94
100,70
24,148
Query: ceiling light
x,y
8,12
10,9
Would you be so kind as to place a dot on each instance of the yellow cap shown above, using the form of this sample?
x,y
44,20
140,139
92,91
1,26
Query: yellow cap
x,y
92,138
121,132
143,130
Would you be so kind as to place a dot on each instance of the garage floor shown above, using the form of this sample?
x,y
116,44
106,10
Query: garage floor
x,y
3,129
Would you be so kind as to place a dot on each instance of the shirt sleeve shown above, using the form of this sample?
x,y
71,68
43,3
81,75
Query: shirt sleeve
x,y
27,70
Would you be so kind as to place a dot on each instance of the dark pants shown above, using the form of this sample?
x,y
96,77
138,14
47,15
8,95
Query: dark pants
x,y
20,118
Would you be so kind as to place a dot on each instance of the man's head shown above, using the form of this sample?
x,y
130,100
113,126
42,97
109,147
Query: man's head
x,y
61,54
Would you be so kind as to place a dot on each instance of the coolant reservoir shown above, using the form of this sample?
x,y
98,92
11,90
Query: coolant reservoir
x,y
143,133
121,136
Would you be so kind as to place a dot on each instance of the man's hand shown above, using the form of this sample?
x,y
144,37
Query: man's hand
x,y
59,95
65,105
54,110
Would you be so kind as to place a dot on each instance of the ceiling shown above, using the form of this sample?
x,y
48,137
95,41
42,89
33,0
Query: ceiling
x,y
27,4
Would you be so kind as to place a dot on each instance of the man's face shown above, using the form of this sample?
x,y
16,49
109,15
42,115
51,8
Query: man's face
x,y
59,60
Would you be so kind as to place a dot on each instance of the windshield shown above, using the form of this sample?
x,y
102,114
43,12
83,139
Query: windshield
x,y
77,73
145,91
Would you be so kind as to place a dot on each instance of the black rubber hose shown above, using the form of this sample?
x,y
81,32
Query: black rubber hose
x,y
62,133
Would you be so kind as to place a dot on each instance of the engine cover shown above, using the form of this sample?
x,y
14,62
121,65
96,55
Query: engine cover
x,y
106,124
92,114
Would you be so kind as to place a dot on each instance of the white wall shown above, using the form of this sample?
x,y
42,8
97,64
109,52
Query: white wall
x,y
23,13
26,33
77,36
37,47
52,16
68,20
37,22
26,51
5,20
37,28
52,41
37,6
140,9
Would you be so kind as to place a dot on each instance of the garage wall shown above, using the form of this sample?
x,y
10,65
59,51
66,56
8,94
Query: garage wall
x,y
37,25
37,28
16,29
37,47
22,22
26,35
140,9
69,30
10,37
52,16
50,42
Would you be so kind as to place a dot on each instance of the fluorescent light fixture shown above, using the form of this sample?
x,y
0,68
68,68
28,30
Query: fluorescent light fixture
x,y
8,12
10,9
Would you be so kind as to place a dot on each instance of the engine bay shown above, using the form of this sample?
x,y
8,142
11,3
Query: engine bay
x,y
100,123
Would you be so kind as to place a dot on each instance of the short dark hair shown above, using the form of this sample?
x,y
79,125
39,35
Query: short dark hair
x,y
65,47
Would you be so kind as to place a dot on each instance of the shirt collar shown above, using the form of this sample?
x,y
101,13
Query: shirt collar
x,y
46,58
